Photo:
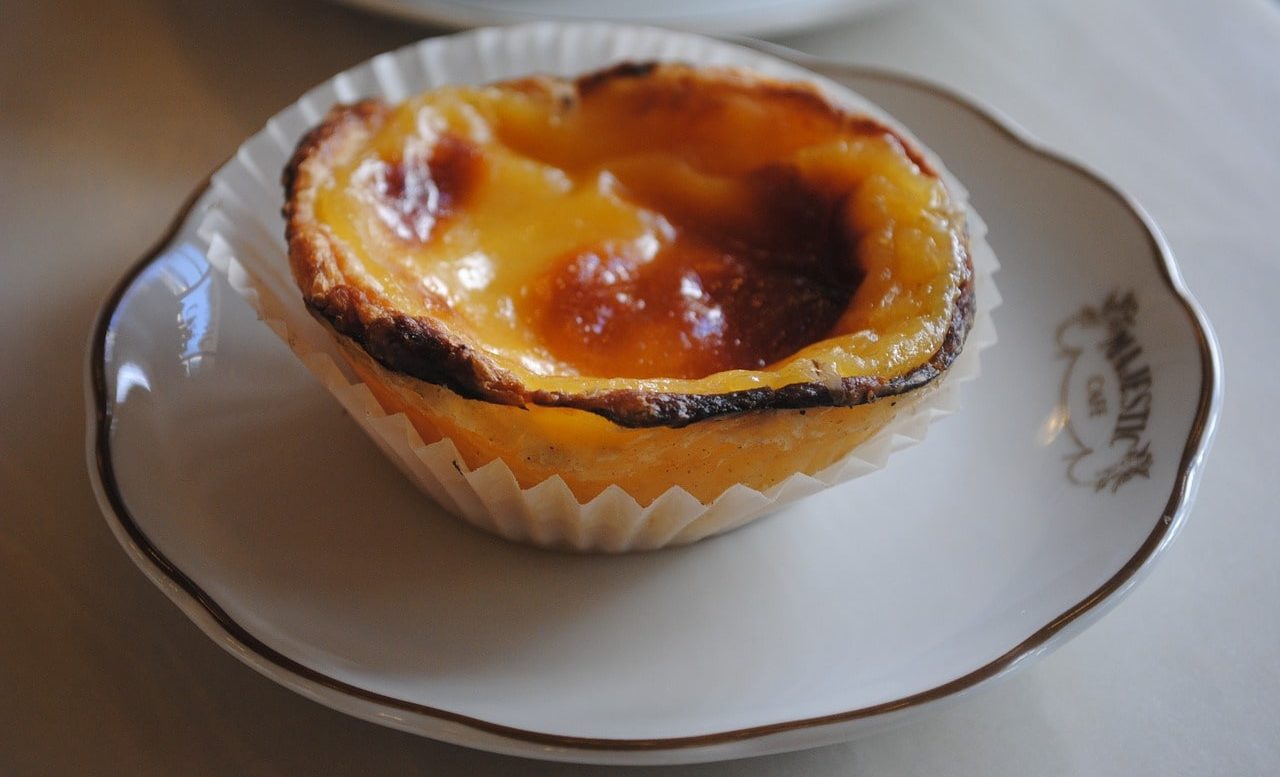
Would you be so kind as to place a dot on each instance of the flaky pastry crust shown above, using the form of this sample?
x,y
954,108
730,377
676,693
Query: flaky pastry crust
x,y
428,349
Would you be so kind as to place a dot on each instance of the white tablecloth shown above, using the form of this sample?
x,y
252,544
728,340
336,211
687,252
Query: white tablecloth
x,y
109,113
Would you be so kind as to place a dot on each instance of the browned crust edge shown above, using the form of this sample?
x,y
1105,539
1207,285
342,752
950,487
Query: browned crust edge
x,y
420,347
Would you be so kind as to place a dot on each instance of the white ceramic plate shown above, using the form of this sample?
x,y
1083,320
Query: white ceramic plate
x,y
718,17
240,488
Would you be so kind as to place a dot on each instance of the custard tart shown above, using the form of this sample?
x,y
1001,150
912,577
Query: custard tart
x,y
651,276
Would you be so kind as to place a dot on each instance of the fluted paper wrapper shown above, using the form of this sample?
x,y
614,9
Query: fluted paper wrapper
x,y
244,232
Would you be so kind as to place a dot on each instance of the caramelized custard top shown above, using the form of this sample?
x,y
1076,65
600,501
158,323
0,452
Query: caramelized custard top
x,y
644,227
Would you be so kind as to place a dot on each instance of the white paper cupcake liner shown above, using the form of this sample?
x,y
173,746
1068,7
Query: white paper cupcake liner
x,y
244,236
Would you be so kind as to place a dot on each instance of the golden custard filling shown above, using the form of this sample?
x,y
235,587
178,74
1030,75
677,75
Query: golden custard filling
x,y
640,236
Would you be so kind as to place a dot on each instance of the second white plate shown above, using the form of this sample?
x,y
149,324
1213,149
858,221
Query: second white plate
x,y
717,17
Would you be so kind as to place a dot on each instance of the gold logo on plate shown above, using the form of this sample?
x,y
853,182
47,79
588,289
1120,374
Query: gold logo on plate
x,y
1106,394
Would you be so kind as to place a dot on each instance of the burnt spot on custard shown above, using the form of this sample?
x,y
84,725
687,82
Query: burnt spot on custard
x,y
415,194
731,290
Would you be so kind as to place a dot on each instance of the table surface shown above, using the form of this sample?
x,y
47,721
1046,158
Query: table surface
x,y
109,114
